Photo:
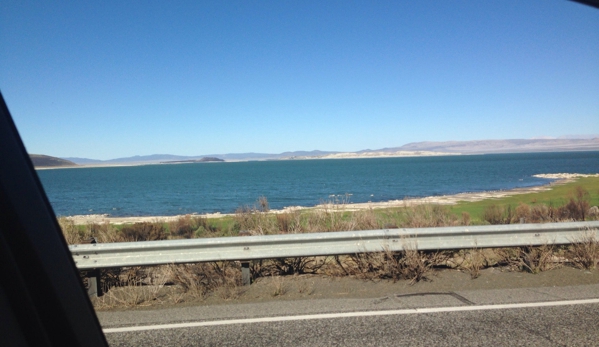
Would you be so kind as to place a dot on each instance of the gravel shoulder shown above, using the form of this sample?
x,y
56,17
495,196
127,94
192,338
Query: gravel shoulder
x,y
276,290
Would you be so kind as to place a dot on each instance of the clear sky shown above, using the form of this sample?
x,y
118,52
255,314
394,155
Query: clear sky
x,y
101,79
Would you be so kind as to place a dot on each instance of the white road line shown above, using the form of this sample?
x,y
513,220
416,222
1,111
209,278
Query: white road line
x,y
350,314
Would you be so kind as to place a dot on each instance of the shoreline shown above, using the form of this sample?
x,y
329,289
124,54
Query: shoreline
x,y
558,179
343,155
334,156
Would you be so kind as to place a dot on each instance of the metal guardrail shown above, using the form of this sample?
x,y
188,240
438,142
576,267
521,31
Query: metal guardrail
x,y
97,256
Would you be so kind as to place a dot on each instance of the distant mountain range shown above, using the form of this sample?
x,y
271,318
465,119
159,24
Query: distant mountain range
x,y
504,146
568,143
158,158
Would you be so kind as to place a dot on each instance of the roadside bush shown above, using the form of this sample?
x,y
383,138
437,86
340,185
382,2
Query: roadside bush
x,y
298,265
584,251
465,218
72,233
577,206
495,214
144,232
522,212
329,218
104,232
410,265
254,221
366,220
543,214
424,216
190,226
200,279
263,204
538,259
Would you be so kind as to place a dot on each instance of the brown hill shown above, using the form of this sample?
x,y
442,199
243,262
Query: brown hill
x,y
40,160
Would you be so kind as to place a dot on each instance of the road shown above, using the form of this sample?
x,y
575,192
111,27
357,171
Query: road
x,y
538,316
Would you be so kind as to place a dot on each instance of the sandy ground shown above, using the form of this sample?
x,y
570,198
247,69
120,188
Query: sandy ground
x,y
443,200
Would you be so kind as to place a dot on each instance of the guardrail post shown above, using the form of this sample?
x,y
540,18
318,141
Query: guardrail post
x,y
93,277
93,283
246,277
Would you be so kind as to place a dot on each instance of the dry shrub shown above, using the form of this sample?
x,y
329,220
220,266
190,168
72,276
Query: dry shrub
x,y
425,216
279,286
289,222
286,266
104,232
465,218
304,287
132,286
366,220
410,265
543,214
144,232
584,250
475,262
416,265
577,206
184,227
190,226
533,259
523,212
284,222
72,233
509,257
538,259
263,204
256,219
329,218
201,279
299,265
203,226
575,209
133,294
495,214
332,216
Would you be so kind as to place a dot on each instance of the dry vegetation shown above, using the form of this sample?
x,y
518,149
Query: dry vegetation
x,y
180,283
576,209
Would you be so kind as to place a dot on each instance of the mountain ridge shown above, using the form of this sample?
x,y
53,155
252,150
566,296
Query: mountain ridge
x,y
561,144
45,161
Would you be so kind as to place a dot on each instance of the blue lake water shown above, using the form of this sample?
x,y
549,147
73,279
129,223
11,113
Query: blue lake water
x,y
223,187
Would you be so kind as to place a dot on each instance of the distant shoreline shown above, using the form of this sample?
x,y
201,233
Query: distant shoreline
x,y
559,178
326,157
338,155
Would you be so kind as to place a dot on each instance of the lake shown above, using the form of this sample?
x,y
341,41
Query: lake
x,y
225,186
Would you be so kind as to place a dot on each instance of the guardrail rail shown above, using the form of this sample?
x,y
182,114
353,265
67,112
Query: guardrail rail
x,y
107,255
112,255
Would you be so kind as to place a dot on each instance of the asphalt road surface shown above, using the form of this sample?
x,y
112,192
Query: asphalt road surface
x,y
543,316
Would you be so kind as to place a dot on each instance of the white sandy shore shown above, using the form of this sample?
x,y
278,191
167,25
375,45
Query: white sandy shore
x,y
377,154
442,200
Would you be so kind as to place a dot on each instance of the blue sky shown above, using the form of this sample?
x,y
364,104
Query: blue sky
x,y
114,79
